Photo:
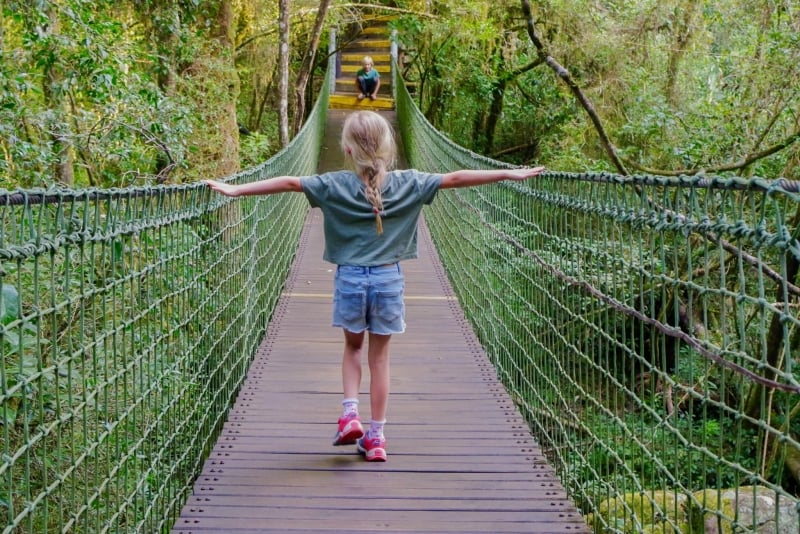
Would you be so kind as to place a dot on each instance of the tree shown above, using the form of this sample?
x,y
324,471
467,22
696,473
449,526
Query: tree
x,y
307,67
283,85
229,128
54,98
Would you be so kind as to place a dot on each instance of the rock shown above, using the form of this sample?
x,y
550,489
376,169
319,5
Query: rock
x,y
637,513
707,512
754,508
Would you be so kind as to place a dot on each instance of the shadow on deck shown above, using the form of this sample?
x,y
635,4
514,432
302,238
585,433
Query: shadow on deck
x,y
461,459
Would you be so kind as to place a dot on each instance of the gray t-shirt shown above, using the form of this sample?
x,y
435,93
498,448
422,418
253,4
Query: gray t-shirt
x,y
349,222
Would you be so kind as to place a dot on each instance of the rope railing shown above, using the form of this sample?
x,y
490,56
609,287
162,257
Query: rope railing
x,y
647,329
128,318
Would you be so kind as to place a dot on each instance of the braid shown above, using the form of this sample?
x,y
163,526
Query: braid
x,y
368,143
373,193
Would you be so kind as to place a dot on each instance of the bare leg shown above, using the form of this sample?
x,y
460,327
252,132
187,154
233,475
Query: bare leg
x,y
351,363
378,357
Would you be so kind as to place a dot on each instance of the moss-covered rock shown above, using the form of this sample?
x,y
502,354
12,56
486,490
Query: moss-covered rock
x,y
754,508
637,513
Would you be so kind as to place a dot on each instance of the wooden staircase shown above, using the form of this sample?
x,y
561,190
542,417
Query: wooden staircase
x,y
372,41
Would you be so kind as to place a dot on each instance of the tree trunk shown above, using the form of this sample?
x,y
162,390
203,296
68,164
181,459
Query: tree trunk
x,y
162,20
496,104
683,33
479,128
775,335
307,68
228,127
63,170
435,108
265,98
167,42
283,86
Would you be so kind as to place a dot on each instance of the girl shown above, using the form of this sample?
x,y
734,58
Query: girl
x,y
370,225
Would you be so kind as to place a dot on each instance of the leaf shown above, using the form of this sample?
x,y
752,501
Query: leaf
x,y
12,338
9,303
119,250
9,411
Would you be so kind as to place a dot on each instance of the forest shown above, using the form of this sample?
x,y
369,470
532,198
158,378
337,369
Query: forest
x,y
129,95
119,93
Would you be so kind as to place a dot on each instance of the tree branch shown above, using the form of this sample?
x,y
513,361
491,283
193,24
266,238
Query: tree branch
x,y
563,73
313,11
516,148
525,68
722,168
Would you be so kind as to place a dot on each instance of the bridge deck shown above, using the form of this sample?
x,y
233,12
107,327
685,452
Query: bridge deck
x,y
460,457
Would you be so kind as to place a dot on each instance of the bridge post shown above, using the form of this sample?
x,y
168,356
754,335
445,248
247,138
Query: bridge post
x,y
333,65
393,53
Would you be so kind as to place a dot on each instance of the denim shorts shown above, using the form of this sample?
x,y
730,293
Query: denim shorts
x,y
369,298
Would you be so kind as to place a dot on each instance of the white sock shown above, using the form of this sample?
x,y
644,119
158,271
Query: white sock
x,y
349,406
376,429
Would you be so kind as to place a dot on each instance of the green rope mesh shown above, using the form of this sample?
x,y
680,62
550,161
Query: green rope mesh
x,y
129,318
647,328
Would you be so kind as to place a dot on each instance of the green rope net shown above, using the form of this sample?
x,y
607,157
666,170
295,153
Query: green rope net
x,y
647,329
128,321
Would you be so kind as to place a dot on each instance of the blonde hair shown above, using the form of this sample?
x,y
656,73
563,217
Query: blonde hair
x,y
368,142
367,59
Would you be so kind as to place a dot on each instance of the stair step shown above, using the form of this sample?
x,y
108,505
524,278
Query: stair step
x,y
381,18
350,57
372,44
375,30
349,101
352,69
348,85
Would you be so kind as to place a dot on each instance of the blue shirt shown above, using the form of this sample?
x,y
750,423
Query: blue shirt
x,y
349,222
373,74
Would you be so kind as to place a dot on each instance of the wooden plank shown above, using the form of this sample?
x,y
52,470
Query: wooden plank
x,y
461,459
352,522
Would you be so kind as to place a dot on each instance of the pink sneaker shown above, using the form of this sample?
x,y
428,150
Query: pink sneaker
x,y
373,449
349,431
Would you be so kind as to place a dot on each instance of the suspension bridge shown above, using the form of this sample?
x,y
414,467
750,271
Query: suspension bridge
x,y
585,352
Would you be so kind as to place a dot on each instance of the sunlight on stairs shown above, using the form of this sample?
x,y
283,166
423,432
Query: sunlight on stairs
x,y
371,41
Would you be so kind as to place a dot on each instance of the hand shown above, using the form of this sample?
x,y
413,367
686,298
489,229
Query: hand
x,y
524,173
226,189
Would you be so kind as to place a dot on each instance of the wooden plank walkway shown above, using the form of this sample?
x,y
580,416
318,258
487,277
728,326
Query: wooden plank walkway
x,y
460,458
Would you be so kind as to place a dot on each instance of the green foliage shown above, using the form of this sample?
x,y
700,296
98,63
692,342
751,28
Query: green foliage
x,y
674,86
101,78
15,369
256,148
118,330
663,458
83,74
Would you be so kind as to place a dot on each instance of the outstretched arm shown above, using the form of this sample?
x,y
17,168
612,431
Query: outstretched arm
x,y
468,178
270,186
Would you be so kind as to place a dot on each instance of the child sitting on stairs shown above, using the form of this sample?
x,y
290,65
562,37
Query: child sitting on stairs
x,y
368,79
